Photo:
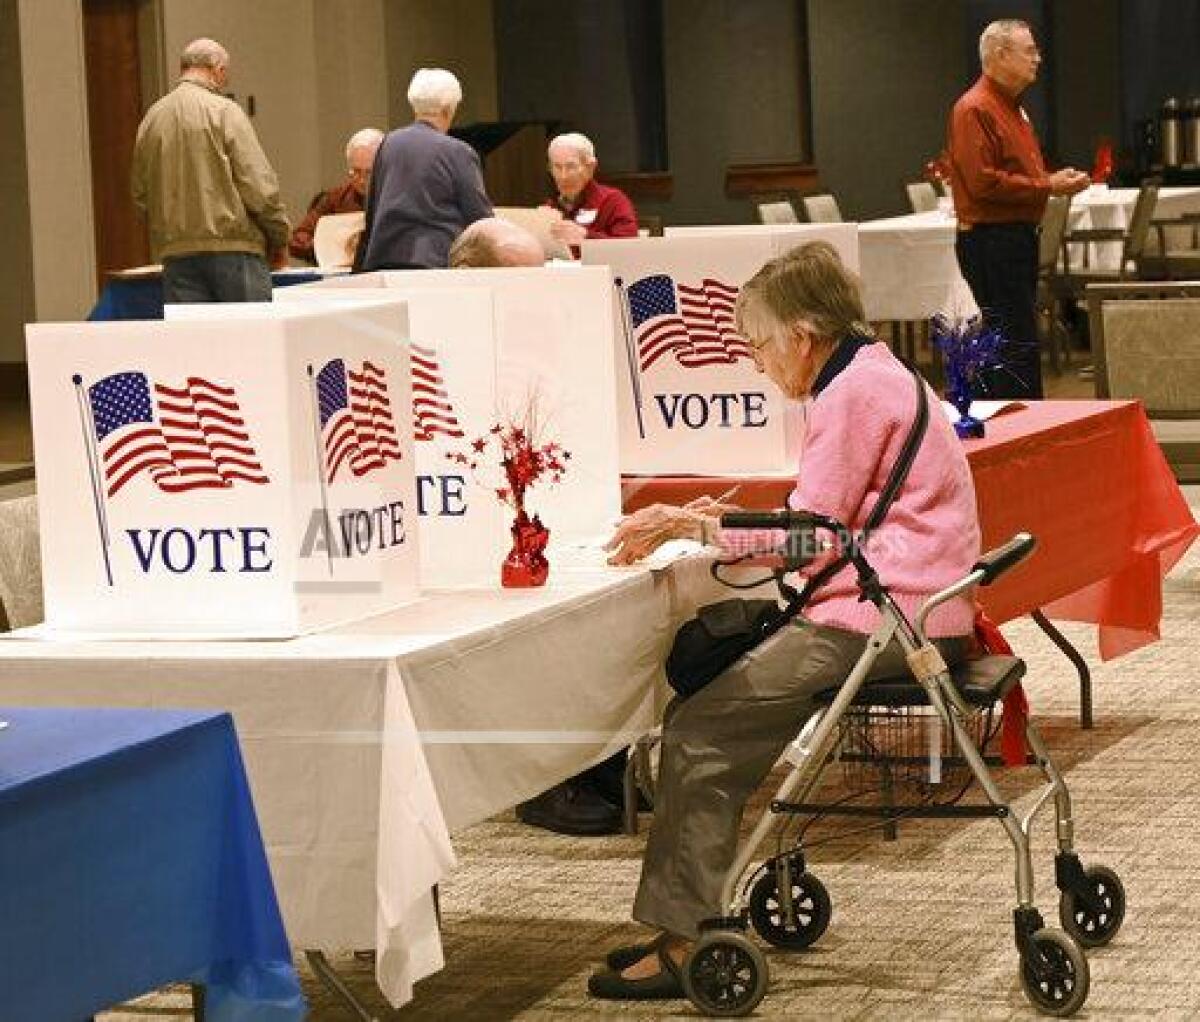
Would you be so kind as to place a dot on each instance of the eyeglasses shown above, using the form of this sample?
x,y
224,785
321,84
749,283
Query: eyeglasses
x,y
758,343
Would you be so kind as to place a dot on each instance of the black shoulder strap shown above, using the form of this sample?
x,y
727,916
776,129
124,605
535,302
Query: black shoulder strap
x,y
904,462
891,488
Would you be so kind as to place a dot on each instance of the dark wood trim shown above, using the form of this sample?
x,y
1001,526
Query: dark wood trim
x,y
651,186
804,77
742,179
14,381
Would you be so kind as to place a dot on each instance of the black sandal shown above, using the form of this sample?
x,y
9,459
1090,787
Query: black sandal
x,y
620,958
610,985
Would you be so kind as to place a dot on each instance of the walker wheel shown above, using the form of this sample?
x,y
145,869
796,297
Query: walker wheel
x,y
1055,973
810,900
1094,924
725,975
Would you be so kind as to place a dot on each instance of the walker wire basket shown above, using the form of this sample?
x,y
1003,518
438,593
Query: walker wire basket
x,y
908,752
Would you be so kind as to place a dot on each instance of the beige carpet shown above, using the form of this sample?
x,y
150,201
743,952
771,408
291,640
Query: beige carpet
x,y
921,926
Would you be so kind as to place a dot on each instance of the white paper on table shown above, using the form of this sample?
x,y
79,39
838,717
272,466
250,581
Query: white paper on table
x,y
983,410
537,220
335,238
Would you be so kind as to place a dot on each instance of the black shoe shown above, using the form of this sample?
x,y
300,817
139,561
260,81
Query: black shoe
x,y
620,958
571,808
607,779
664,985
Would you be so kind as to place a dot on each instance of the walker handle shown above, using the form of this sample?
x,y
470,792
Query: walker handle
x,y
790,520
996,562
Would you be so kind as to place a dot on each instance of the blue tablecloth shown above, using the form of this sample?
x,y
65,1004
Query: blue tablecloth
x,y
130,857
142,297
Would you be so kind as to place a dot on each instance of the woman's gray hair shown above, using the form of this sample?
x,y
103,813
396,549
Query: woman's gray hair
x,y
997,36
433,90
205,53
807,286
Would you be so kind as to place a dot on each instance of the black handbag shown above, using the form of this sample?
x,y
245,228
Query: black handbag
x,y
715,638
721,633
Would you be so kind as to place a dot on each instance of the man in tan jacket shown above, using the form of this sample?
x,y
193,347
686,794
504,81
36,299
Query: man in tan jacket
x,y
207,190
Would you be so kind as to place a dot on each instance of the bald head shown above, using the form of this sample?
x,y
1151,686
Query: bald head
x,y
495,242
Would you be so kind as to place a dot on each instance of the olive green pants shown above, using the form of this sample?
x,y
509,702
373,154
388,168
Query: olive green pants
x,y
718,746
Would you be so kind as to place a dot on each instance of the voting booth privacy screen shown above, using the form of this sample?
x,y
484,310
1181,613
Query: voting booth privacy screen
x,y
240,476
549,341
454,376
690,399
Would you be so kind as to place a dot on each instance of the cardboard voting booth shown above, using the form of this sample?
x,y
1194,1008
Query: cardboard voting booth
x,y
549,339
689,397
454,376
243,476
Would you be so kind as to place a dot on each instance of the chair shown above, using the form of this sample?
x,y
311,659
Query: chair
x,y
1148,347
1050,235
921,196
20,563
822,209
1100,294
780,212
1178,262
650,226
1133,245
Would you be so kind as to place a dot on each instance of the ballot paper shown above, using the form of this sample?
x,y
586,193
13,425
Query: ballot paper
x,y
335,238
983,410
537,220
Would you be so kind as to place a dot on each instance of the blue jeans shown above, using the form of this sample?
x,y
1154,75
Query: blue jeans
x,y
216,277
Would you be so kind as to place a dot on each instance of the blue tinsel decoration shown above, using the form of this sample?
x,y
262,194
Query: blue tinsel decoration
x,y
968,348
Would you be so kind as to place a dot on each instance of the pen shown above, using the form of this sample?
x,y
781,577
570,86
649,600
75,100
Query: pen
x,y
715,500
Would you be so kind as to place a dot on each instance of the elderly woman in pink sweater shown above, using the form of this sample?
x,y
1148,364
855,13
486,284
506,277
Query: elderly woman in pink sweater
x,y
803,315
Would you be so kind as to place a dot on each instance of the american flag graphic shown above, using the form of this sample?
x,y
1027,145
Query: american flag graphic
x,y
432,411
356,418
694,322
185,438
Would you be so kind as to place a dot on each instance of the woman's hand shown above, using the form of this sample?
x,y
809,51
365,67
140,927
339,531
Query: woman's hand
x,y
644,531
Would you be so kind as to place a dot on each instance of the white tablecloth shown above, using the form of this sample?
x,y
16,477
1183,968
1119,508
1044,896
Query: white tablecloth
x,y
366,745
1111,208
909,270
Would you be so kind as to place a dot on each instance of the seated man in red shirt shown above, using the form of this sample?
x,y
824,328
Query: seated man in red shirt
x,y
348,197
589,209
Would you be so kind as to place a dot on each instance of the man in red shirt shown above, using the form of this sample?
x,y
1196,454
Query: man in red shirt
x,y
589,209
1000,187
348,197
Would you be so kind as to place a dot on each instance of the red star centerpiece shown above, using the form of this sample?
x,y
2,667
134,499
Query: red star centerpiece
x,y
525,462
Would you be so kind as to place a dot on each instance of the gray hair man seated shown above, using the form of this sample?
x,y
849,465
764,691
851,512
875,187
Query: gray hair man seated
x,y
348,197
495,242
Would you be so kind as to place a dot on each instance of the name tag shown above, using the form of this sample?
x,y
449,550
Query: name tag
x,y
586,216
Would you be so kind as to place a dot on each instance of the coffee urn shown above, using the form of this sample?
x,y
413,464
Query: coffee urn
x,y
1190,130
1170,133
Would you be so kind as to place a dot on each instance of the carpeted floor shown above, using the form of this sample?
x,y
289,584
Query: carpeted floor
x,y
921,926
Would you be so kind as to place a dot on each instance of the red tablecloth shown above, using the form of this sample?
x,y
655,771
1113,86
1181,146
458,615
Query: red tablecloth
x,y
1085,477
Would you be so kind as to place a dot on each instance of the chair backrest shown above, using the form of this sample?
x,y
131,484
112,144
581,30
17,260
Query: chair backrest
x,y
1152,352
651,224
20,562
921,196
781,212
1099,295
1050,234
822,209
1139,223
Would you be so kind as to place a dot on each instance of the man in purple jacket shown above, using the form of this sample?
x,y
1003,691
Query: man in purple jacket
x,y
426,187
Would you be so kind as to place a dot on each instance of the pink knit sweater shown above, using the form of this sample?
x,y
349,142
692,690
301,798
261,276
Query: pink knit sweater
x,y
930,536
